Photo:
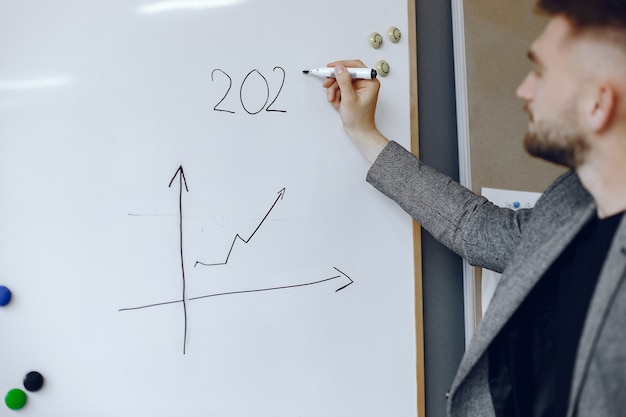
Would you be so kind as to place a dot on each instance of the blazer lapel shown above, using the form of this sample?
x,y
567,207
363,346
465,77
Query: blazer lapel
x,y
613,272
518,279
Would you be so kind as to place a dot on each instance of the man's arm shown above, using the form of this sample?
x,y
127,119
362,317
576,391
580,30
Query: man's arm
x,y
468,224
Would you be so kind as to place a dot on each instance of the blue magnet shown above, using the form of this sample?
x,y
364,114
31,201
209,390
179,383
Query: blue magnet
x,y
516,204
5,296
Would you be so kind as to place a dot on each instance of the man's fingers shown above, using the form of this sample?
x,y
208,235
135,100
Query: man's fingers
x,y
344,80
352,63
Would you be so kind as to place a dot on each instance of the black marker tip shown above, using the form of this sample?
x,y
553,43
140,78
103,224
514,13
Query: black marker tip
x,y
305,71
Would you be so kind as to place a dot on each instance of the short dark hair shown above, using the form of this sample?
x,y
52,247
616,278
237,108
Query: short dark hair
x,y
587,13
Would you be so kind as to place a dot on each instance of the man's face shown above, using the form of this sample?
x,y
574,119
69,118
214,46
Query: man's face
x,y
551,91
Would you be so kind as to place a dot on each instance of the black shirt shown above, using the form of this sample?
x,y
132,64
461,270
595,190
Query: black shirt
x,y
531,361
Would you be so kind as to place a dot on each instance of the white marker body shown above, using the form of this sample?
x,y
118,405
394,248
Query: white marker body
x,y
364,73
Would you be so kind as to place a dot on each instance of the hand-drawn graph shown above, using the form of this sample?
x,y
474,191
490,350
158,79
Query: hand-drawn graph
x,y
182,185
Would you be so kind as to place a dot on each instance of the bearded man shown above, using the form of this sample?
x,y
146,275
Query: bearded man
x,y
553,340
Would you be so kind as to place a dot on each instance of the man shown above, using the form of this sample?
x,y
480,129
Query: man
x,y
553,341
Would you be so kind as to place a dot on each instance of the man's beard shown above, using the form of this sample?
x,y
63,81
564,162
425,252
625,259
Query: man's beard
x,y
559,142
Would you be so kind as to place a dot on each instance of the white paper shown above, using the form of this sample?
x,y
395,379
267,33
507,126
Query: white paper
x,y
503,198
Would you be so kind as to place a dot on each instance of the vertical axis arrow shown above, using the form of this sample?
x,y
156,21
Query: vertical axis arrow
x,y
182,181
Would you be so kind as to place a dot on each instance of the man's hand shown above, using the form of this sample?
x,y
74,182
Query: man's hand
x,y
355,100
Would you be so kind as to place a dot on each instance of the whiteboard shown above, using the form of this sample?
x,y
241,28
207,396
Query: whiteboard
x,y
186,229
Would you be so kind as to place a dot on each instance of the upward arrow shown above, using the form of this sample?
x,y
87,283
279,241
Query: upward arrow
x,y
281,194
182,181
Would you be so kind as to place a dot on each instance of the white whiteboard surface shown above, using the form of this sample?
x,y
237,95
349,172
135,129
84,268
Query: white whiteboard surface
x,y
102,104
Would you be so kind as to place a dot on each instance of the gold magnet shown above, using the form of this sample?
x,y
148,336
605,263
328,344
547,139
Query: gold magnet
x,y
376,40
394,34
382,67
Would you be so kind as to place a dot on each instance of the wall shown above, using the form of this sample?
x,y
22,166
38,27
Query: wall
x,y
497,36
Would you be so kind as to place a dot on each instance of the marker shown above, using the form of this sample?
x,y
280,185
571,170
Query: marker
x,y
364,73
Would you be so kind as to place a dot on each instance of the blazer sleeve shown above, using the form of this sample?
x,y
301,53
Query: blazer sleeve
x,y
484,234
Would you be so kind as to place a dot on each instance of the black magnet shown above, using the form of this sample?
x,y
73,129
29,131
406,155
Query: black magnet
x,y
33,381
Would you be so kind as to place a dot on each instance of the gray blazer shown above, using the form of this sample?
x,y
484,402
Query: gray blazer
x,y
522,245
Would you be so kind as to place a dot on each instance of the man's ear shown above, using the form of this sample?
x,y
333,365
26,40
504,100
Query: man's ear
x,y
602,108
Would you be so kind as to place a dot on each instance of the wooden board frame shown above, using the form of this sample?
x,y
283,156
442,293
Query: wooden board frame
x,y
417,234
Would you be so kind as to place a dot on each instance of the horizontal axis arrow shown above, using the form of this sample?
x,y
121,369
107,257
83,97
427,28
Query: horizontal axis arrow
x,y
221,294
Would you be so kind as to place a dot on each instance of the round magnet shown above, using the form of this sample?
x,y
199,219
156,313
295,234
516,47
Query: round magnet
x,y
33,381
394,34
5,296
382,67
15,399
376,40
